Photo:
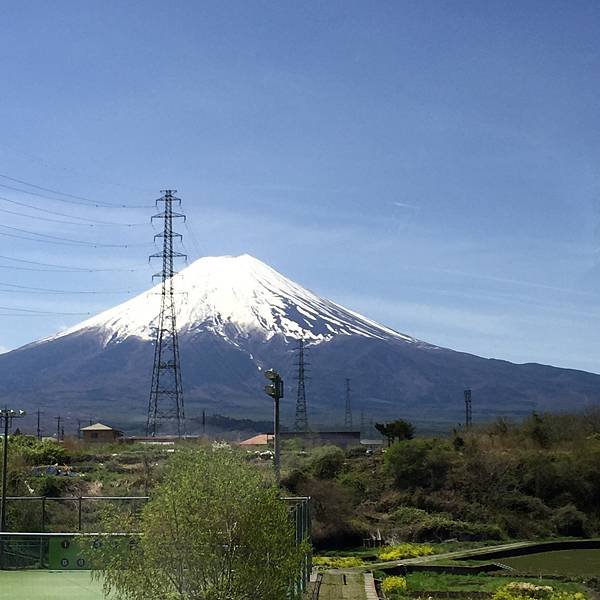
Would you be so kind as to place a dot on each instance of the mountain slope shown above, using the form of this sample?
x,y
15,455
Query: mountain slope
x,y
237,316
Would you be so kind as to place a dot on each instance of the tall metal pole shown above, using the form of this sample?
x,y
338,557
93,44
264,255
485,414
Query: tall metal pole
x,y
8,415
39,429
4,475
275,390
277,458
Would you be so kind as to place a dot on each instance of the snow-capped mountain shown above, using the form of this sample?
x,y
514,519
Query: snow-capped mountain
x,y
237,316
236,297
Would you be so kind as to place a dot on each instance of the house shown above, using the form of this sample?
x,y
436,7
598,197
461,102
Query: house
x,y
100,433
343,439
263,439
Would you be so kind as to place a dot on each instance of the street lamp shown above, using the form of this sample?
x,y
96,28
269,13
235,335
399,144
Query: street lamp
x,y
8,415
275,390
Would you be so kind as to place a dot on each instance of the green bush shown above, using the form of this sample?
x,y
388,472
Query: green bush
x,y
36,452
517,590
567,520
394,584
404,551
337,562
409,515
327,462
439,528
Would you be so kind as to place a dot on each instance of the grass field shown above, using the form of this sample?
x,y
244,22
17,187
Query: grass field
x,y
560,562
49,585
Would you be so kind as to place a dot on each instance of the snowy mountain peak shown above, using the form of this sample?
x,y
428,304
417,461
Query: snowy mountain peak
x,y
236,297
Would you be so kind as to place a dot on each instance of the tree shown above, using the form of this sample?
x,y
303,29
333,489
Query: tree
x,y
396,430
213,530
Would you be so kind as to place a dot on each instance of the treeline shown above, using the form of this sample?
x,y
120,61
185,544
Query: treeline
x,y
536,479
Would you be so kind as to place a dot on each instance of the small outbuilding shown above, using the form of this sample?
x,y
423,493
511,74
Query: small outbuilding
x,y
100,433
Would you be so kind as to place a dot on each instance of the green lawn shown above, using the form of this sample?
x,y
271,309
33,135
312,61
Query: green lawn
x,y
559,562
49,585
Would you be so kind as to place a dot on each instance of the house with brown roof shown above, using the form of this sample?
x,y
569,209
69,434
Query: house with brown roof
x,y
100,433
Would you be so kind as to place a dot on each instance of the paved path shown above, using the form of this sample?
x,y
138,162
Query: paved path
x,y
370,589
339,585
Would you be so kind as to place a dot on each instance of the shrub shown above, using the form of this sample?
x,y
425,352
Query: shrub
x,y
327,462
408,515
35,452
440,527
569,521
404,551
394,584
517,590
337,562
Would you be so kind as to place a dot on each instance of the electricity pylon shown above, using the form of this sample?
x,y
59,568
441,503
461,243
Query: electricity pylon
x,y
166,394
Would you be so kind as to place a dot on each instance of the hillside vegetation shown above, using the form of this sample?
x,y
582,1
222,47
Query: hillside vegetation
x,y
537,479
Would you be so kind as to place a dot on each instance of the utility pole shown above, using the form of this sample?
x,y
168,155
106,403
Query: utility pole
x,y
301,420
78,429
468,409
348,414
39,430
7,415
275,390
166,394
58,429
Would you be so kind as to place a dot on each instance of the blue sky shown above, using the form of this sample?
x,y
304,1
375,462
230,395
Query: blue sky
x,y
433,165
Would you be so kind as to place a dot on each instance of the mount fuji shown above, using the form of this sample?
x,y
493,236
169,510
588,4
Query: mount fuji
x,y
237,316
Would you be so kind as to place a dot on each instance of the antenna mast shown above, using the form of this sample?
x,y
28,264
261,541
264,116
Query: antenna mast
x,y
348,415
301,421
166,394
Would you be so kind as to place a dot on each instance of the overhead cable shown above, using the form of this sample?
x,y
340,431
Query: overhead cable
x,y
54,212
41,312
74,199
59,267
53,239
87,203
54,291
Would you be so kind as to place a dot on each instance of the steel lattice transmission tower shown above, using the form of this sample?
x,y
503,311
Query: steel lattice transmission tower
x,y
301,421
468,409
348,414
166,395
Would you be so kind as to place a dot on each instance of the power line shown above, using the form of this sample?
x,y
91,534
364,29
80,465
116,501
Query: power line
x,y
40,312
48,219
69,269
91,222
73,199
54,291
53,239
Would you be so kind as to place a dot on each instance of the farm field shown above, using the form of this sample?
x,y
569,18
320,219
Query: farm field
x,y
560,562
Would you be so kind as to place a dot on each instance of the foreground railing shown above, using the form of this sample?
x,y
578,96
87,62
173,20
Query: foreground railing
x,y
59,550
